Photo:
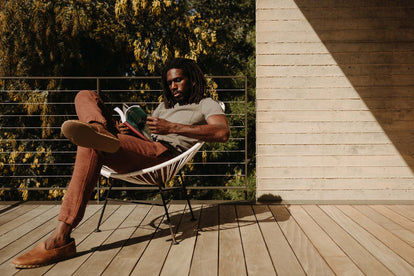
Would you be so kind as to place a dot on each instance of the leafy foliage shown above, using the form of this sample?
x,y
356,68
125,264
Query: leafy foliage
x,y
108,38
60,38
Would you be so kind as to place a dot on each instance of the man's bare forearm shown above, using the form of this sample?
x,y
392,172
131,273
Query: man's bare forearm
x,y
216,129
208,133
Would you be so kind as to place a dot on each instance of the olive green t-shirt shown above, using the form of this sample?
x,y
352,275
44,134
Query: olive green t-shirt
x,y
189,114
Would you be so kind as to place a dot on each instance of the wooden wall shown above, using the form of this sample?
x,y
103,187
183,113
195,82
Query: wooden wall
x,y
335,100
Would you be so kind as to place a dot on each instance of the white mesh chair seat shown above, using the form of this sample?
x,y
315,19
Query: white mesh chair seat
x,y
158,174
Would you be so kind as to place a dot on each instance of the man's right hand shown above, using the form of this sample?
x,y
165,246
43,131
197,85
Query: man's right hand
x,y
123,129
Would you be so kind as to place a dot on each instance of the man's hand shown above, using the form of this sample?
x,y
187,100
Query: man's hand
x,y
158,126
123,129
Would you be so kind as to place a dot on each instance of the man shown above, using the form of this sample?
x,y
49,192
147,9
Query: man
x,y
184,117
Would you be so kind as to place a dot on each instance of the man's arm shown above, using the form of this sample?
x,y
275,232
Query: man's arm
x,y
216,129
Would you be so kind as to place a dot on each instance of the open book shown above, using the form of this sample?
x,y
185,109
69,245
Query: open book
x,y
135,118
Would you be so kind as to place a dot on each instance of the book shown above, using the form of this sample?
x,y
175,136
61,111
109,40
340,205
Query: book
x,y
135,118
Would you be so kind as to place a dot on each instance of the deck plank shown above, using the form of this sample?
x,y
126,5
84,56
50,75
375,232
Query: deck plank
x,y
230,239
388,224
134,247
19,246
389,258
179,257
89,245
231,257
409,208
15,212
83,234
356,252
397,218
205,259
403,210
29,225
282,255
4,206
258,261
7,206
30,240
329,250
397,245
25,218
153,258
311,261
103,254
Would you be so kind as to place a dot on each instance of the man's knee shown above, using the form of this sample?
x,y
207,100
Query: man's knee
x,y
85,94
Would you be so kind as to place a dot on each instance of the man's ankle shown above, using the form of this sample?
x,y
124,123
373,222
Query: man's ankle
x,y
60,236
55,242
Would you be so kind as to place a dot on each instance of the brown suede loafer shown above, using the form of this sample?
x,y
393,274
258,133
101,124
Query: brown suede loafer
x,y
40,256
90,136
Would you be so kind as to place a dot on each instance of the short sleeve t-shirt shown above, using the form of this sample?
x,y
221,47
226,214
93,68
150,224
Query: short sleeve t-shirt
x,y
189,114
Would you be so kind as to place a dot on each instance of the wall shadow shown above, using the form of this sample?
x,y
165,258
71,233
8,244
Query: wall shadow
x,y
373,43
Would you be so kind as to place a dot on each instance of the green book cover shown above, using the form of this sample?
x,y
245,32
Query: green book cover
x,y
135,118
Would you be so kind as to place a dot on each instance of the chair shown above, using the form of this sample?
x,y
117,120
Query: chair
x,y
157,175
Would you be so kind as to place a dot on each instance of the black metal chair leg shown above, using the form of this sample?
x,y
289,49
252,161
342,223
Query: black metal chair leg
x,y
103,209
184,191
189,204
168,216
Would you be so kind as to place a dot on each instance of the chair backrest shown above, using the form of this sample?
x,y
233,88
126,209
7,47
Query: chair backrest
x,y
157,174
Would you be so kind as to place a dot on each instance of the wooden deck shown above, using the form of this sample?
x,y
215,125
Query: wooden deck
x,y
225,240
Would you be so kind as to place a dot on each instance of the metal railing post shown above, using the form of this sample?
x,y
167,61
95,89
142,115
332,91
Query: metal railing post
x,y
98,85
98,188
245,138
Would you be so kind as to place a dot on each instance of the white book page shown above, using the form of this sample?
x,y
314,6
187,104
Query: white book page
x,y
121,114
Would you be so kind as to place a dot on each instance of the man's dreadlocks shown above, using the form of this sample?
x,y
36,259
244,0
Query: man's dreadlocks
x,y
195,76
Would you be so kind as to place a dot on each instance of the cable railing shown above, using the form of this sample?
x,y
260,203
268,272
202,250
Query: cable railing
x,y
36,157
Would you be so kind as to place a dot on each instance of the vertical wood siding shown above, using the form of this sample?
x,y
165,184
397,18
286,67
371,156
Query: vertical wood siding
x,y
335,99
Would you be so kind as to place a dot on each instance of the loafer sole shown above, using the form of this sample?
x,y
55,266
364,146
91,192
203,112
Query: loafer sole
x,y
40,256
84,135
21,266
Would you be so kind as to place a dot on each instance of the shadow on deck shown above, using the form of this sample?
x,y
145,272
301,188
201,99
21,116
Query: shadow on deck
x,y
226,239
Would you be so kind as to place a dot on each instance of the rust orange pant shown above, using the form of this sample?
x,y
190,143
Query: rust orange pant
x,y
134,153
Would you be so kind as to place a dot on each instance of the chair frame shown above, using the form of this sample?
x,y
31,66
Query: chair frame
x,y
156,175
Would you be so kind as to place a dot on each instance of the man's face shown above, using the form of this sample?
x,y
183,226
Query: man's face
x,y
179,85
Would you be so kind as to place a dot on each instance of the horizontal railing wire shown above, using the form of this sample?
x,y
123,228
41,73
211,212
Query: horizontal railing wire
x,y
27,129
